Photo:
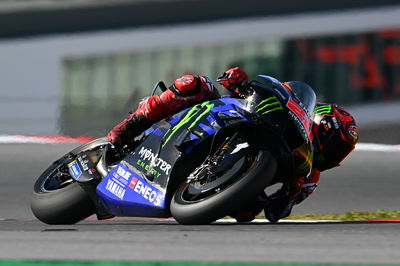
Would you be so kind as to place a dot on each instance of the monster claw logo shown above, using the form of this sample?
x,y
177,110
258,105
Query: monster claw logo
x,y
323,109
269,105
204,108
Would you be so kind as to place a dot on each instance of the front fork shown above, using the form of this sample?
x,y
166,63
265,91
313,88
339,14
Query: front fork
x,y
89,184
223,149
216,163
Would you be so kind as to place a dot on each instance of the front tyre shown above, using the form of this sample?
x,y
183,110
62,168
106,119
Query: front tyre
x,y
228,193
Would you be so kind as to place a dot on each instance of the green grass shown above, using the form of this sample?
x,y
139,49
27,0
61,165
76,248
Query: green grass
x,y
350,216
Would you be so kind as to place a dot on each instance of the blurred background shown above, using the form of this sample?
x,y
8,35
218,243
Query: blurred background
x,y
76,67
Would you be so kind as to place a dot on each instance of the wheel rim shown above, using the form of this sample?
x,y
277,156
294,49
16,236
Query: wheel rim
x,y
58,178
195,191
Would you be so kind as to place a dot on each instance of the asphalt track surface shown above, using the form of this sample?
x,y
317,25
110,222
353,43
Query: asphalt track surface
x,y
366,181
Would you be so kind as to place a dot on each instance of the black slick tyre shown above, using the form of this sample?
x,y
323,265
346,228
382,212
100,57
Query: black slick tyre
x,y
62,202
230,198
66,205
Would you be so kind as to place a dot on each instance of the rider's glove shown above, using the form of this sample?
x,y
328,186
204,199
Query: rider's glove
x,y
234,79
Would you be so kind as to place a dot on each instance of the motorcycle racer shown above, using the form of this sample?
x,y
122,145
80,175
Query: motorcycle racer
x,y
335,135
334,130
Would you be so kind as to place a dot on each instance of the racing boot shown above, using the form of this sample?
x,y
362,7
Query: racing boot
x,y
125,132
279,205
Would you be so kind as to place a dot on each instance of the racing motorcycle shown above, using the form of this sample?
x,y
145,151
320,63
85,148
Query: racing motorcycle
x,y
199,165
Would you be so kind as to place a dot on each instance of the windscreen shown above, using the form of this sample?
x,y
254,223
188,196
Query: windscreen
x,y
304,93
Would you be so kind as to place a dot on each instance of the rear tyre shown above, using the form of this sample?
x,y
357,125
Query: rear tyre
x,y
66,205
228,193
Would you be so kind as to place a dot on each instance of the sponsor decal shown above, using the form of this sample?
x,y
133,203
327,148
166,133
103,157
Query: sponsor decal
x,y
123,187
353,132
133,183
115,189
123,173
147,155
297,109
323,109
301,118
147,168
118,180
83,163
192,113
239,147
146,191
269,105
299,124
335,122
75,170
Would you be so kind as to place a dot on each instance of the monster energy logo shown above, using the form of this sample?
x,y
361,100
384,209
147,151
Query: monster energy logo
x,y
269,105
194,112
323,109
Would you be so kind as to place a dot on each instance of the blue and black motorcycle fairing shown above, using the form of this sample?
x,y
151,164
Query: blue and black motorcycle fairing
x,y
154,161
198,165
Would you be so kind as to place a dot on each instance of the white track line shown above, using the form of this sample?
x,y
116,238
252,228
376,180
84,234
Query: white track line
x,y
14,139
230,221
377,147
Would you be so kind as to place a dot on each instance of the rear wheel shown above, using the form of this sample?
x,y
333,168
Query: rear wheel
x,y
56,198
204,200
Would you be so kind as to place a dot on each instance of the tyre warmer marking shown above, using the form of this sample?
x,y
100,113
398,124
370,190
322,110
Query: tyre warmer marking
x,y
188,117
270,102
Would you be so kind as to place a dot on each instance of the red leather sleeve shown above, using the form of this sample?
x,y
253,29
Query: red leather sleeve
x,y
161,106
309,185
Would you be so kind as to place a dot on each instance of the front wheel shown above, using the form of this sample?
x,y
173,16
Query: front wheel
x,y
202,202
56,198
